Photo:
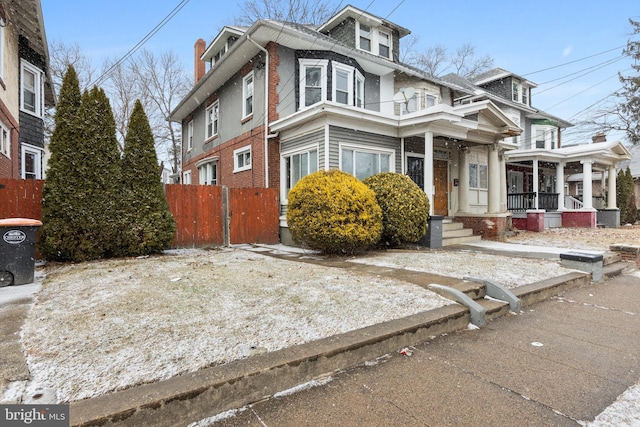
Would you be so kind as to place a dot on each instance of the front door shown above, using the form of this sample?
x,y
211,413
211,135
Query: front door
x,y
441,184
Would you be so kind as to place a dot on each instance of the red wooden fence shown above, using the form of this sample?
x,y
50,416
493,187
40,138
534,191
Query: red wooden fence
x,y
204,214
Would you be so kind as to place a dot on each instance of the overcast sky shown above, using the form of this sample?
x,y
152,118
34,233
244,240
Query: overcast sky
x,y
522,39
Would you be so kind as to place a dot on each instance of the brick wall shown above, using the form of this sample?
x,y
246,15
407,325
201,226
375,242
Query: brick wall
x,y
10,166
489,227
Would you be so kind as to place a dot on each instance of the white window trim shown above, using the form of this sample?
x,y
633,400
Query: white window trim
x,y
359,79
237,153
39,152
375,40
283,165
303,64
5,143
245,95
336,66
206,172
390,46
215,127
24,65
478,186
186,177
190,135
368,149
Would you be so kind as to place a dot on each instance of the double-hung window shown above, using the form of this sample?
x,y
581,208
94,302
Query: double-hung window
x,y
540,138
31,162
365,38
212,120
515,92
247,95
190,135
242,159
298,165
364,162
478,176
384,44
186,177
359,90
5,140
31,89
342,84
313,81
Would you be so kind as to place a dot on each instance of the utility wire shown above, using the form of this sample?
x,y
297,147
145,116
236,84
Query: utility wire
x,y
138,45
572,62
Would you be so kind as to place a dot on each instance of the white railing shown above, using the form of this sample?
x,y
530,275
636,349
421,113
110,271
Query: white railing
x,y
571,202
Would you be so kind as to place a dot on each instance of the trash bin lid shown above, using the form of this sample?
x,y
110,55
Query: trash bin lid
x,y
18,222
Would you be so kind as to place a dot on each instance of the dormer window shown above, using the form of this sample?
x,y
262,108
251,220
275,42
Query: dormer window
x,y
520,93
384,44
516,92
365,38
374,40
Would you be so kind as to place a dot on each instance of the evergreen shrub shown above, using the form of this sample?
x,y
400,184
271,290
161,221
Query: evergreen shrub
x,y
334,212
405,208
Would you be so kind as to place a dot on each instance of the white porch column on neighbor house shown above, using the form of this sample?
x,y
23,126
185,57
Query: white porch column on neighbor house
x,y
463,180
612,203
587,184
560,185
503,183
428,168
494,179
536,180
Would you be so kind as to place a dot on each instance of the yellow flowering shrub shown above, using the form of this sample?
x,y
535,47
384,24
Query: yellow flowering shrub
x,y
405,208
334,212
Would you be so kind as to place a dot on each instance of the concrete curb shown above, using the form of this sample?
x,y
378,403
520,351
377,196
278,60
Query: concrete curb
x,y
191,397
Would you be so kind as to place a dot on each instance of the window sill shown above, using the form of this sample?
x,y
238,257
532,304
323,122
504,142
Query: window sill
x,y
211,139
31,113
242,169
246,119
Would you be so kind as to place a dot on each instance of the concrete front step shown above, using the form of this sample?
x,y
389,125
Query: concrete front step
x,y
454,233
446,241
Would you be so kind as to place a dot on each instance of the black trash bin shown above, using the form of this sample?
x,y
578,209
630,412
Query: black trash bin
x,y
17,250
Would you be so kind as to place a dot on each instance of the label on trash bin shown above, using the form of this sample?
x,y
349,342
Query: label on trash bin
x,y
13,237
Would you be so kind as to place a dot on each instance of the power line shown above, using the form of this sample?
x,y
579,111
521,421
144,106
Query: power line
x,y
574,61
600,66
138,45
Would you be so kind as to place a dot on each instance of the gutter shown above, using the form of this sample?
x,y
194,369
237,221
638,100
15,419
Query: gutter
x,y
266,111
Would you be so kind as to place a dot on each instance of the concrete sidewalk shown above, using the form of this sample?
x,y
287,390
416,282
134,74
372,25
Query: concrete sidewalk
x,y
562,360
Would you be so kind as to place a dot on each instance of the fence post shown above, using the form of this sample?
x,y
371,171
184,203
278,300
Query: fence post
x,y
226,219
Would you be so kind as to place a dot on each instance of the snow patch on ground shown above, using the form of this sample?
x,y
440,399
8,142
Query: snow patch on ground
x,y
624,412
102,326
462,263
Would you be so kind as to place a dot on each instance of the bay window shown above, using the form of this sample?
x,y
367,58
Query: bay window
x,y
313,81
298,165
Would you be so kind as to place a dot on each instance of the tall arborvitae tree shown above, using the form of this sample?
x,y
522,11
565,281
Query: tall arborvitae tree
x,y
631,210
622,194
58,235
151,227
629,108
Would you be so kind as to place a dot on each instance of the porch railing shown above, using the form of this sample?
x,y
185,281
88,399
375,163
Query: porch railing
x,y
572,203
520,202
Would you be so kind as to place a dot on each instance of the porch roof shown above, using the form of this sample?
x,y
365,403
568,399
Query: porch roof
x,y
608,153
489,127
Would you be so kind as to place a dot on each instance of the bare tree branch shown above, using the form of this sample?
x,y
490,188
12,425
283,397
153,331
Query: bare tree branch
x,y
301,11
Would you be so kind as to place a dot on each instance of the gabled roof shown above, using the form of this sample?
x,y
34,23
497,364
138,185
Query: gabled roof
x,y
633,163
288,34
221,40
362,16
27,18
498,74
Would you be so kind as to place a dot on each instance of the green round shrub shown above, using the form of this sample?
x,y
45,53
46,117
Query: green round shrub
x,y
405,208
333,212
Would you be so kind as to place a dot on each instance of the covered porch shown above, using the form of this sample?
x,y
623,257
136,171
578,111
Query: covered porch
x,y
538,183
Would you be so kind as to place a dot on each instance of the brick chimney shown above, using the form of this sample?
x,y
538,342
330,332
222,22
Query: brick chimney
x,y
198,64
599,137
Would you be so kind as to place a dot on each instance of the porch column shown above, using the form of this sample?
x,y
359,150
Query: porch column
x,y
560,185
587,184
536,179
463,180
503,183
612,203
428,168
494,179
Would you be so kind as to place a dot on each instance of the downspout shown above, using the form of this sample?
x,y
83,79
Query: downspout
x,y
266,111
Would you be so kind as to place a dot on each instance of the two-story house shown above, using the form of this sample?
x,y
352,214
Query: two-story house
x,y
25,89
540,171
277,101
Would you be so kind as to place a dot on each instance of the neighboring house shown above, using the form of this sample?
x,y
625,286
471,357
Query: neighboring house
x,y
282,100
25,89
541,173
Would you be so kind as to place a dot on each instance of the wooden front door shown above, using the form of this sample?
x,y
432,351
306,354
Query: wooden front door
x,y
441,184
